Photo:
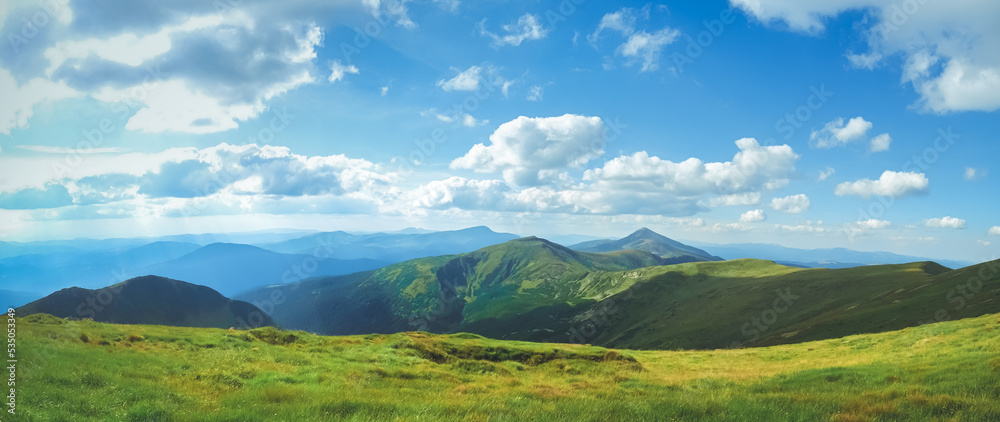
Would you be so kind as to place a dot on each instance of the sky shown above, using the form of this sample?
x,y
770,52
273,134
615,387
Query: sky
x,y
865,124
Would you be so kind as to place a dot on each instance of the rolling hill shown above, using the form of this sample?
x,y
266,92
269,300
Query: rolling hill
x,y
532,289
442,293
89,371
150,300
647,240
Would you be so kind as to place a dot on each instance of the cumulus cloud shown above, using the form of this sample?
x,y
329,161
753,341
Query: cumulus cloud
x,y
640,47
890,184
753,169
532,151
880,143
753,216
637,184
191,67
792,204
247,170
948,52
873,224
837,133
746,198
526,28
994,231
946,223
339,70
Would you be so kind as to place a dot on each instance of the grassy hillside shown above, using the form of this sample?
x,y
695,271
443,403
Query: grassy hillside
x,y
82,371
754,303
534,290
441,293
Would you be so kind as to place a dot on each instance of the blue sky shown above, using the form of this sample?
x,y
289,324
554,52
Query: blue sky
x,y
858,123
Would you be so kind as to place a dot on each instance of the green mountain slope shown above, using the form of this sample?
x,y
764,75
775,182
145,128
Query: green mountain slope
x,y
150,300
88,371
644,239
532,289
442,293
755,303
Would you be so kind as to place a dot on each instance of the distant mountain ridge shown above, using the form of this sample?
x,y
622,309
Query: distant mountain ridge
x,y
647,240
392,247
820,258
151,300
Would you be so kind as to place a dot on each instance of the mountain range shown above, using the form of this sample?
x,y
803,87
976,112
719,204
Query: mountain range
x,y
280,257
819,258
532,289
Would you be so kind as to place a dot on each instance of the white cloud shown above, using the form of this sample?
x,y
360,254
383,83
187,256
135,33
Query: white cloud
x,y
890,184
243,58
193,173
622,21
339,70
948,50
535,93
792,204
752,169
873,224
825,174
640,47
806,227
459,192
973,174
645,48
983,243
946,222
746,198
836,133
994,231
19,102
753,216
865,61
466,80
881,143
530,151
526,28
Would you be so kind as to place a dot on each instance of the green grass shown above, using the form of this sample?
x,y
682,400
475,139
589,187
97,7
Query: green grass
x,y
82,370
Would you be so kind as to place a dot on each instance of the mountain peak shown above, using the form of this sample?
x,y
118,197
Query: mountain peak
x,y
644,232
647,240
